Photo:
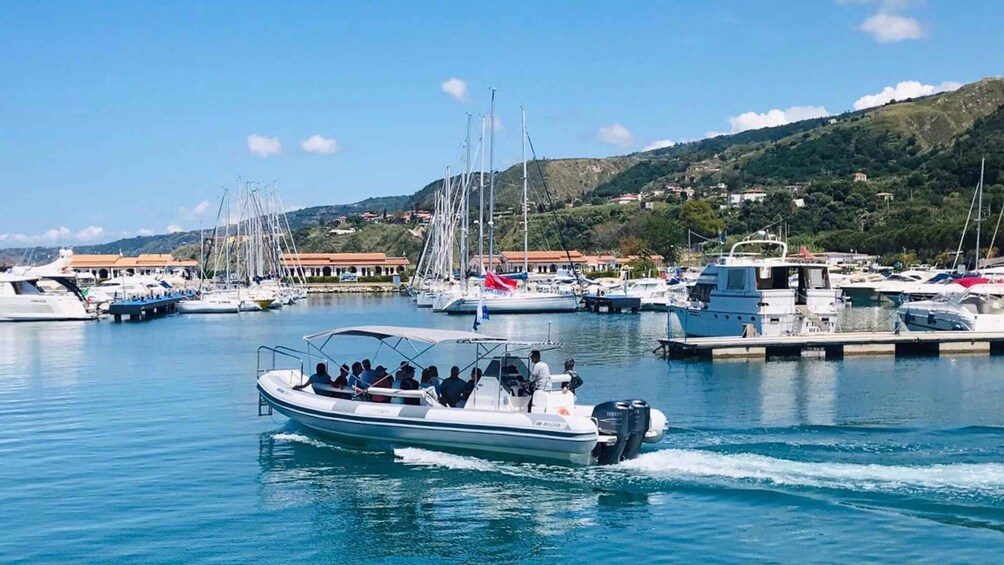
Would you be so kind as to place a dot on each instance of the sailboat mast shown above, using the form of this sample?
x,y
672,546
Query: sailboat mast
x,y
465,254
481,205
526,201
979,214
491,182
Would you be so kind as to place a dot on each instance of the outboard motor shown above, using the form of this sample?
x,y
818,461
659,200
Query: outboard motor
x,y
612,419
641,418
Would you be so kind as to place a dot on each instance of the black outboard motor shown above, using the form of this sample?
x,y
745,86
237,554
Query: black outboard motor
x,y
641,417
612,419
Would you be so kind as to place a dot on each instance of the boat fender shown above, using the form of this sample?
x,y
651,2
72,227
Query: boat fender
x,y
613,419
641,416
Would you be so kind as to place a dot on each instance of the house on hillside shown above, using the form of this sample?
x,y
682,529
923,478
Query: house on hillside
x,y
860,177
629,198
680,192
755,194
369,216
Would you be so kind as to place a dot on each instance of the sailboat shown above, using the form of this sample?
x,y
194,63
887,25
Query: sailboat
x,y
502,295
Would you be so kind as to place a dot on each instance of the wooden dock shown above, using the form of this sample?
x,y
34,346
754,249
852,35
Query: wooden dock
x,y
143,308
836,345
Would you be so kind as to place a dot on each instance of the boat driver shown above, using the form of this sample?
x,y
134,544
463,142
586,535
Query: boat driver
x,y
540,373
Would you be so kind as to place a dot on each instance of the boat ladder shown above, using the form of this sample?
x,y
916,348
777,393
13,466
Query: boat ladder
x,y
264,408
812,318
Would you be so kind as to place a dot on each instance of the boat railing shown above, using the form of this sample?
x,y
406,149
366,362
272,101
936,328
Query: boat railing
x,y
277,351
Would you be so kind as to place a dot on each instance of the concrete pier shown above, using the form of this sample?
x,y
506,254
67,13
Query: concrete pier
x,y
143,308
611,304
836,345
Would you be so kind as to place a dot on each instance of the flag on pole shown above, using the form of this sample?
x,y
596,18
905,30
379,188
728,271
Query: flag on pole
x,y
495,282
481,314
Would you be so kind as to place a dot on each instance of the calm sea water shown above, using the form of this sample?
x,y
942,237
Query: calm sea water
x,y
140,443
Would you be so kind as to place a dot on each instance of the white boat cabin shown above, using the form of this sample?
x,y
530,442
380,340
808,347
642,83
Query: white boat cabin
x,y
743,295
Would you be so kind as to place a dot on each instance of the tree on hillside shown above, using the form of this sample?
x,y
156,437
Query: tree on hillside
x,y
698,216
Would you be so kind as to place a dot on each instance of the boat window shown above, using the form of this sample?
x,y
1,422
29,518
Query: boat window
x,y
772,278
26,287
736,279
701,292
815,278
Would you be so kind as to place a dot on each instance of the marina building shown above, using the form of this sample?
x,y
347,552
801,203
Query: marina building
x,y
334,264
106,266
544,262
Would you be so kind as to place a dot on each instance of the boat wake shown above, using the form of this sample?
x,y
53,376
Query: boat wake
x,y
701,465
424,457
299,439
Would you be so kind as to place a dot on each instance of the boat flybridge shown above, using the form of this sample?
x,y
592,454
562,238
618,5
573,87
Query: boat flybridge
x,y
24,298
748,294
502,414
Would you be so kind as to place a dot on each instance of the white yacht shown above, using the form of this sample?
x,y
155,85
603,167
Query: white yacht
x,y
980,308
501,414
744,294
22,298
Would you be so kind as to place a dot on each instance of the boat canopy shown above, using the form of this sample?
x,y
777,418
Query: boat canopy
x,y
424,335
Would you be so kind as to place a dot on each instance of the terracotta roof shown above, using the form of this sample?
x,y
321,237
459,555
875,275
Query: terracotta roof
x,y
543,256
342,259
110,261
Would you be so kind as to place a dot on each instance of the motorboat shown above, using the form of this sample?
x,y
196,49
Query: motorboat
x,y
210,303
500,416
980,308
24,298
940,284
899,286
746,294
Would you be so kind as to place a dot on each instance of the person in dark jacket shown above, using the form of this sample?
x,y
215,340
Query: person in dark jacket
x,y
575,381
452,389
409,383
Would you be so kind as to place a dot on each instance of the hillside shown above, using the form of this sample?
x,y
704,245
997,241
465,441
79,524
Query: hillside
x,y
923,154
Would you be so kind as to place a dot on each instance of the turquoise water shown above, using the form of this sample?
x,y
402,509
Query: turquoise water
x,y
140,443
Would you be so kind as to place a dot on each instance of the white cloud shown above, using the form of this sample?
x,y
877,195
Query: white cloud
x,y
456,88
90,233
264,146
202,207
319,145
615,134
56,234
891,28
144,232
775,117
659,144
903,91
174,228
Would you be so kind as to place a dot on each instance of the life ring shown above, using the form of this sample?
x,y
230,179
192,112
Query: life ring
x,y
564,412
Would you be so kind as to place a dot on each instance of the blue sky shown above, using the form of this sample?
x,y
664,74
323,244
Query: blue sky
x,y
120,118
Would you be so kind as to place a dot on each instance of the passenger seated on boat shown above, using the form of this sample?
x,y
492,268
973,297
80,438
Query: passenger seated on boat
x,y
368,373
342,380
452,389
320,382
574,380
356,379
471,385
428,383
434,375
381,380
409,383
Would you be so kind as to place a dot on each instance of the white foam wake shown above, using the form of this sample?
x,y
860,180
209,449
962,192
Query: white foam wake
x,y
417,456
987,478
299,439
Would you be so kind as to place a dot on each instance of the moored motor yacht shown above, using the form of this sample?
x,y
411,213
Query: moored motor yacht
x,y
743,295
502,414
980,308
23,298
